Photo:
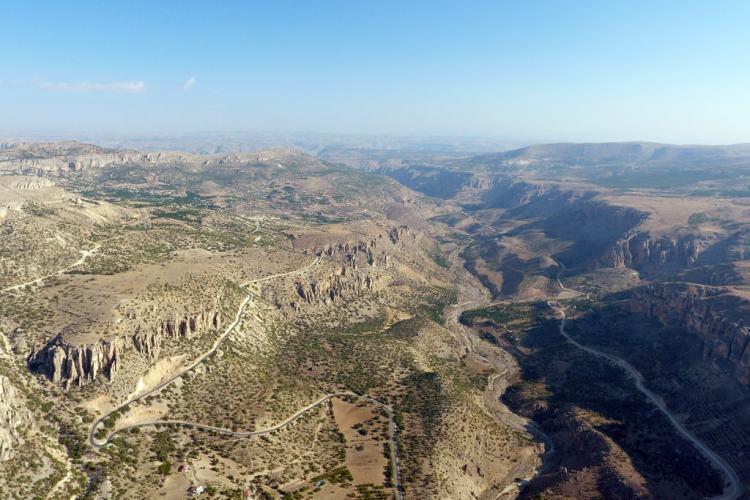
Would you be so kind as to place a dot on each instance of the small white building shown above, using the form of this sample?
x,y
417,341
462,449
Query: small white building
x,y
197,490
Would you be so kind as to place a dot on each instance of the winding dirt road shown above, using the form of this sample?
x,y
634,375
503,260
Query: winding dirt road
x,y
732,487
85,254
238,318
293,418
246,434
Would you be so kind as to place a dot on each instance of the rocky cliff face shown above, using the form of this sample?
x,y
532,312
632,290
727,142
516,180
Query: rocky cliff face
x,y
148,340
590,225
73,364
77,364
603,234
332,288
372,251
30,183
644,252
60,158
399,233
497,191
575,215
13,416
60,166
359,273
721,317
63,158
354,254
432,181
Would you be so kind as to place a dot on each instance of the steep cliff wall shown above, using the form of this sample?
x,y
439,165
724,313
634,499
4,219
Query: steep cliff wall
x,y
59,166
589,226
359,260
498,191
13,416
69,363
594,227
356,253
334,287
64,158
60,158
362,265
432,181
602,233
645,252
66,364
148,340
720,316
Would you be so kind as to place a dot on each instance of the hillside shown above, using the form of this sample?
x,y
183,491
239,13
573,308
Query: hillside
x,y
305,326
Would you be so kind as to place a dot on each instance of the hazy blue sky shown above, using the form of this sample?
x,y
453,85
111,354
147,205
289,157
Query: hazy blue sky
x,y
558,70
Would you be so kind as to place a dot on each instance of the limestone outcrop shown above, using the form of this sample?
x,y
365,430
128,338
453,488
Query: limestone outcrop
x,y
13,416
398,233
645,252
56,159
30,183
374,250
331,289
60,159
77,364
148,340
719,316
356,253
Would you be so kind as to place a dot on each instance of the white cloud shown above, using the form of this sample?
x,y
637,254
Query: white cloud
x,y
189,83
121,87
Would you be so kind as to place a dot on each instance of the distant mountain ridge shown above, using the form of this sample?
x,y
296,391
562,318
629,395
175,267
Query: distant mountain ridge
x,y
622,152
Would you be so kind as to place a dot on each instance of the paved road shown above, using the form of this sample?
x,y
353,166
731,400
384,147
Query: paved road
x,y
732,488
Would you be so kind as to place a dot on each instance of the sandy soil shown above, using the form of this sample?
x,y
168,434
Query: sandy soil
x,y
98,405
204,474
364,455
163,369
175,487
137,414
